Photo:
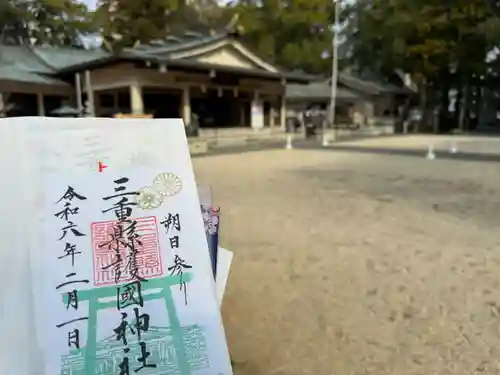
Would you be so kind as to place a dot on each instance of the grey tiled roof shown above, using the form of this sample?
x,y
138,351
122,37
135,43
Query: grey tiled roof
x,y
60,58
10,73
22,58
33,64
175,46
370,85
318,90
64,58
37,64
21,64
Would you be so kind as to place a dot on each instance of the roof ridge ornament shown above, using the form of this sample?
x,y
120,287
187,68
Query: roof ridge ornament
x,y
233,24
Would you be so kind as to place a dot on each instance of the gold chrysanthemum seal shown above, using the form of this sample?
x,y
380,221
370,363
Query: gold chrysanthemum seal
x,y
148,198
167,184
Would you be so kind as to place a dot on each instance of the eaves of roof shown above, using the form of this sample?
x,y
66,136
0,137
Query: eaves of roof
x,y
184,63
371,86
318,90
62,57
180,46
24,59
14,74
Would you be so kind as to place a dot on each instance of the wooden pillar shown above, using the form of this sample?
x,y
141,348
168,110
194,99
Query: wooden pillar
x,y
78,87
242,113
257,112
272,113
90,95
3,112
136,101
97,105
116,104
186,106
283,112
40,104
369,112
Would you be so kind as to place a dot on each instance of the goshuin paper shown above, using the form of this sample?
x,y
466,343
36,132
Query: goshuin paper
x,y
121,277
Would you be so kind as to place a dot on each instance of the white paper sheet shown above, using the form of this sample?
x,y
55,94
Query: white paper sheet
x,y
205,195
18,345
224,260
56,152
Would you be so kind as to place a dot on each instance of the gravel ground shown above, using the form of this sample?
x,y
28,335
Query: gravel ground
x,y
352,264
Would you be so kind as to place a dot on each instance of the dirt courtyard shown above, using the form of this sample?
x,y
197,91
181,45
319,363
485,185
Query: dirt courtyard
x,y
352,264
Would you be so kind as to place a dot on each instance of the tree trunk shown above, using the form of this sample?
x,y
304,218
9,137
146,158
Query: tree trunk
x,y
478,106
467,105
464,102
423,91
459,101
463,109
444,101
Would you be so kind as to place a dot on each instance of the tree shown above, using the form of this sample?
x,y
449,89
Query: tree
x,y
494,6
13,22
124,23
442,45
59,22
293,34
54,22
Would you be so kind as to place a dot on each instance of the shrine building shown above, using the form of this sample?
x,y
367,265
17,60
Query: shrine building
x,y
214,77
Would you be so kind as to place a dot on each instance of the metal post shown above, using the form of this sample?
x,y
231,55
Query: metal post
x,y
334,78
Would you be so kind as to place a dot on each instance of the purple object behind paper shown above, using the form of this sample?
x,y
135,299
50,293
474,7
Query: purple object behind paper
x,y
211,221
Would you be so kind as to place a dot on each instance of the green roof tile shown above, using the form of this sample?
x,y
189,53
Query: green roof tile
x,y
60,58
370,85
175,46
10,73
35,64
318,90
23,58
20,64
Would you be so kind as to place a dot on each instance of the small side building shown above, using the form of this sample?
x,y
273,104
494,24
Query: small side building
x,y
359,101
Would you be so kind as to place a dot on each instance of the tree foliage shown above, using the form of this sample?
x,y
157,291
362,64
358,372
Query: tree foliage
x,y
54,22
13,22
294,34
60,22
422,37
443,45
125,23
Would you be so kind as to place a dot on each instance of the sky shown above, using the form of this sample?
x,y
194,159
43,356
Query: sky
x,y
90,3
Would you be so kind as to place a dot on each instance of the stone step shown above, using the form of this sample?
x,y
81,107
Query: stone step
x,y
197,147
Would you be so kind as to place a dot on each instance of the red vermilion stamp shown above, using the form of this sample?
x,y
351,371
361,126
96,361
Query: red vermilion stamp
x,y
148,258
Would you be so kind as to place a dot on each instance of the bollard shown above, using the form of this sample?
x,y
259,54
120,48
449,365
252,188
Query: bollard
x,y
289,144
454,148
324,141
430,153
